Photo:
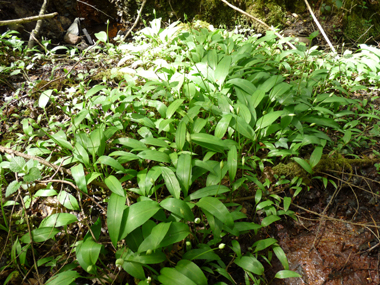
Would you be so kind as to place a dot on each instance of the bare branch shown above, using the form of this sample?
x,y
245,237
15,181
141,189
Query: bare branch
x,y
28,19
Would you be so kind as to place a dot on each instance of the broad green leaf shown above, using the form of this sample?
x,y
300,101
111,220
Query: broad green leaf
x,y
180,135
61,139
264,243
251,264
12,188
79,177
170,276
143,258
304,164
58,220
115,210
222,70
201,253
208,141
114,185
232,163
268,119
316,156
87,253
243,84
173,107
94,90
134,269
287,202
241,126
153,241
97,142
44,98
222,125
33,174
40,235
68,200
347,136
320,121
171,182
45,193
110,162
96,229
209,191
184,172
154,155
286,274
63,278
217,209
16,164
124,156
130,143
137,215
177,232
269,220
236,247
81,154
155,142
279,252
192,271
178,207
212,58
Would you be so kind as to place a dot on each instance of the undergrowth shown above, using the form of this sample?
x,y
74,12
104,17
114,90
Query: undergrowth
x,y
139,167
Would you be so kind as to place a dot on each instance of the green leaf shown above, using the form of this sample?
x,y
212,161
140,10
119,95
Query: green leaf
x,y
87,253
180,135
157,234
287,202
264,243
81,154
115,210
33,174
79,177
316,156
12,188
61,139
222,70
173,107
170,276
269,220
68,200
94,90
201,253
232,163
134,269
286,274
171,182
178,207
217,209
268,119
251,264
192,271
184,172
257,97
209,191
130,143
58,220
155,142
40,235
154,155
279,252
177,232
208,141
111,162
304,164
115,186
137,215
63,278
16,164
44,98
243,84
223,125
241,126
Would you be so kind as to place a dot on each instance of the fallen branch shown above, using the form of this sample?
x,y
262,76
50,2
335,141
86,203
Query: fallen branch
x,y
319,27
137,20
36,31
28,19
259,21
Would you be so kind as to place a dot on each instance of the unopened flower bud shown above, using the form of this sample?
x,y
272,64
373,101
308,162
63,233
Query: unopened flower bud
x,y
197,220
119,263
221,246
148,252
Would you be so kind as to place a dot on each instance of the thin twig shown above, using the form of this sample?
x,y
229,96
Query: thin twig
x,y
36,31
28,19
319,27
136,21
95,8
259,21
